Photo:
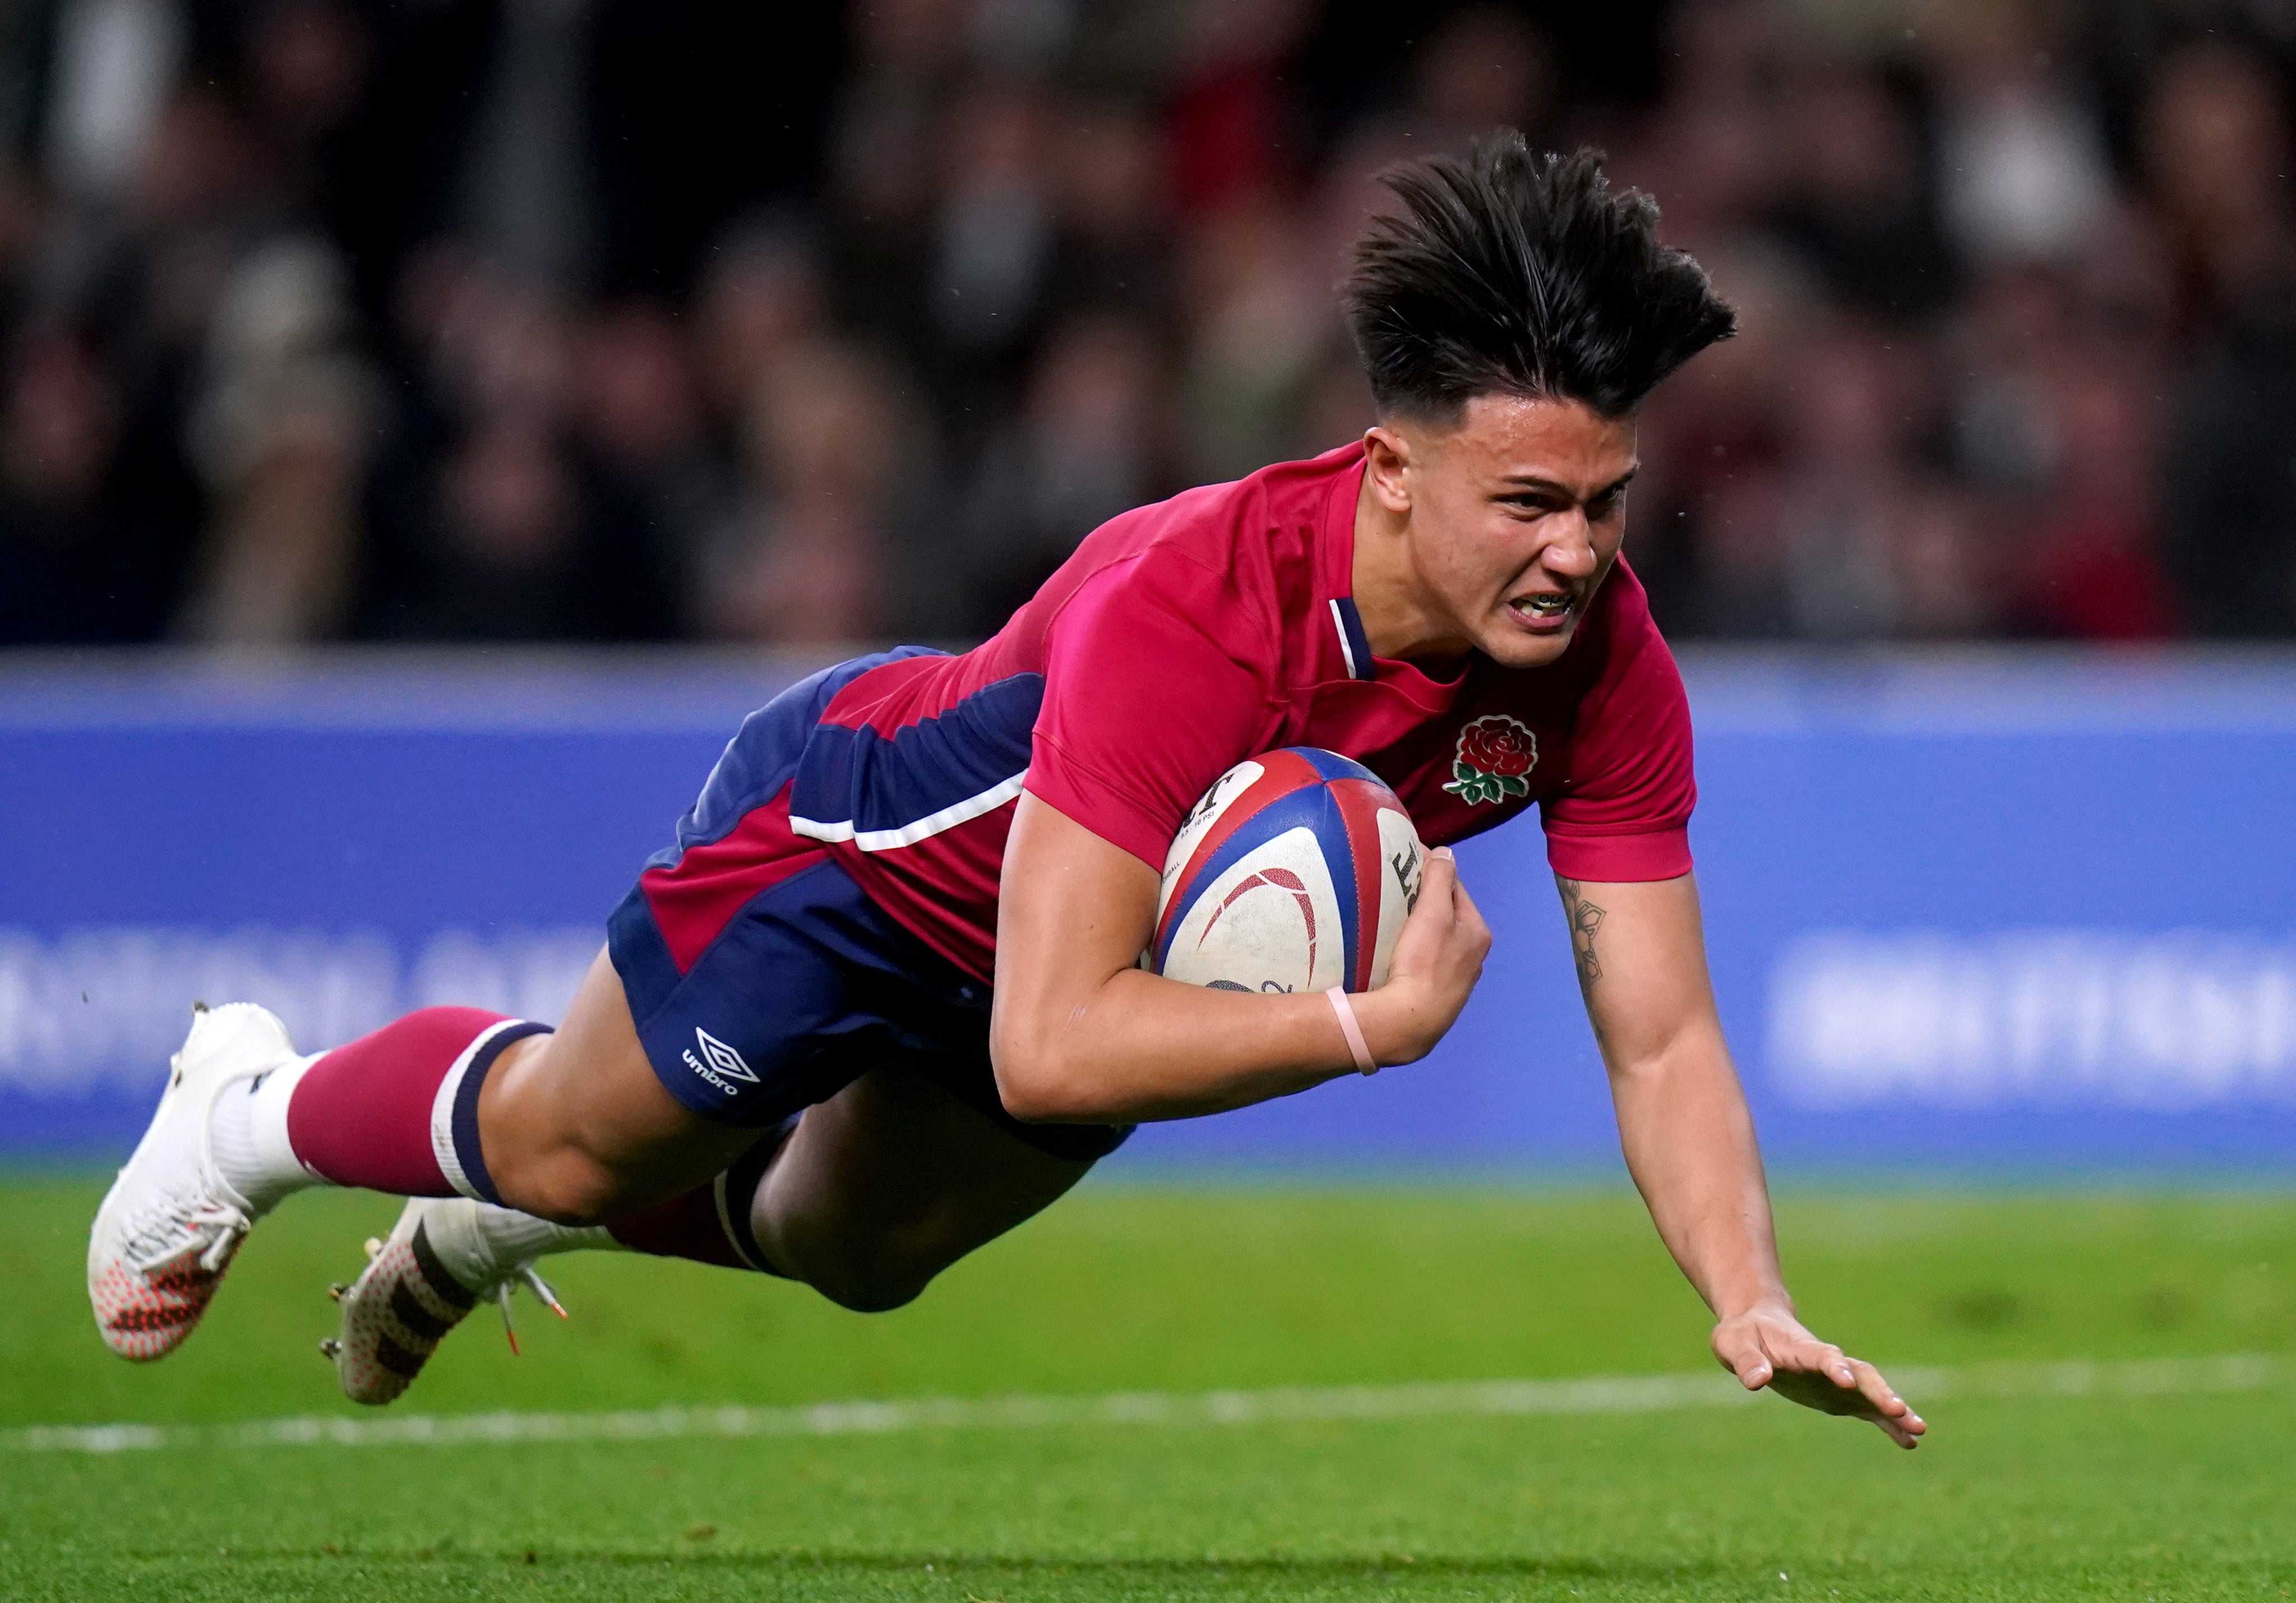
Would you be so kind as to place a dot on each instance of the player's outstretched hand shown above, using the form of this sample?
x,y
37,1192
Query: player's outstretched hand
x,y
1767,1346
1438,960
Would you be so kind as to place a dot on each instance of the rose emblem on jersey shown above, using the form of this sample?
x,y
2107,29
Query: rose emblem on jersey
x,y
1495,755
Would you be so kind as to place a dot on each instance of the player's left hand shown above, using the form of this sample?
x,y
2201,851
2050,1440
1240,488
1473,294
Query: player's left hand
x,y
1767,1346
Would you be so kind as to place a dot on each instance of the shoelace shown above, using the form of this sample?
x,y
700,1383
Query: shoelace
x,y
524,1274
534,1282
217,1227
214,1226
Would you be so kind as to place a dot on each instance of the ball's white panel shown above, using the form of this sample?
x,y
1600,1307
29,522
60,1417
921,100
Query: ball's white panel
x,y
1405,860
1270,923
1200,818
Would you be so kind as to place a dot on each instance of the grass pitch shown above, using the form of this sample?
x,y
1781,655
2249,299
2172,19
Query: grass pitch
x,y
2185,1494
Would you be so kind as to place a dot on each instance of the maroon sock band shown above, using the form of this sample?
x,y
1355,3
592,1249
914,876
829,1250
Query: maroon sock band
x,y
684,1227
361,1115
711,1224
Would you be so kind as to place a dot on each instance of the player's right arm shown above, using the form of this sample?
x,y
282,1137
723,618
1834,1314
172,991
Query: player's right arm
x,y
1081,1034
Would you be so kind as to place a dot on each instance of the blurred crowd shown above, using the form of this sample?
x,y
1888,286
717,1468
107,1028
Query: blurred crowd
x,y
606,320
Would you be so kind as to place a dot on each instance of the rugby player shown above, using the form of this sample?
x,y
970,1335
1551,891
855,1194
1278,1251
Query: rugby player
x,y
880,1000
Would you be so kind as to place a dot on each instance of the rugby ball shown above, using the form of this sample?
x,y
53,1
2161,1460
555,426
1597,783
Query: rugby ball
x,y
1293,872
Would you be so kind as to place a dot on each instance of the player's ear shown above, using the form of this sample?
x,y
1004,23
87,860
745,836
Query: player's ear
x,y
1387,461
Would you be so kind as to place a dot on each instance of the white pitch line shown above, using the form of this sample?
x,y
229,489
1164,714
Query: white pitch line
x,y
1604,1394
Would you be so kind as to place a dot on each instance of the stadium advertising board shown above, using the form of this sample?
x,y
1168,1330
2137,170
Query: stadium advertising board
x,y
1998,911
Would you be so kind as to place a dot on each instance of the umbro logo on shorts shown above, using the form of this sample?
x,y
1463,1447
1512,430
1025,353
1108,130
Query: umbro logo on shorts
x,y
719,1064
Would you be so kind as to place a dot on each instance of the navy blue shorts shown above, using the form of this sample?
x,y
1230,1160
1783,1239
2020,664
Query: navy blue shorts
x,y
764,980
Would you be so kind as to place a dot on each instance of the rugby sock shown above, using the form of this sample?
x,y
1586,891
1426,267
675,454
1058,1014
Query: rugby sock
x,y
516,1238
711,1224
479,1246
688,1226
397,1111
248,1136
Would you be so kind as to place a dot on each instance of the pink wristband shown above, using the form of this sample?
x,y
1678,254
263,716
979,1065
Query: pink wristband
x,y
1352,1030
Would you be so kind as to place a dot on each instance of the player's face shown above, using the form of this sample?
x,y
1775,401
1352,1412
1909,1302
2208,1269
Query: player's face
x,y
1516,513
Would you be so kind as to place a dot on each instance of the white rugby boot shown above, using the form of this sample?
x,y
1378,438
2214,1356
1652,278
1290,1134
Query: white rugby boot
x,y
171,1223
444,1257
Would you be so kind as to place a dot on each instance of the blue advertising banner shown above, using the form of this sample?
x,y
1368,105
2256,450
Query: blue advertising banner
x,y
1994,910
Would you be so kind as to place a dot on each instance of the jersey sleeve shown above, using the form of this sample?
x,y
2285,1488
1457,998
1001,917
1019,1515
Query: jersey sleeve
x,y
1625,814
1154,689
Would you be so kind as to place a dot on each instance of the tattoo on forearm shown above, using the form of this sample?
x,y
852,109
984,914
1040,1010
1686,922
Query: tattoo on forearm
x,y
1584,918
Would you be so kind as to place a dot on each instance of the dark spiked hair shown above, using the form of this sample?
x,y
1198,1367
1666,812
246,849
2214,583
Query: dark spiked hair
x,y
1526,274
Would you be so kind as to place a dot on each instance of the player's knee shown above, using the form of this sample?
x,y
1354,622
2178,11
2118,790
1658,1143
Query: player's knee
x,y
874,1287
871,1294
890,1272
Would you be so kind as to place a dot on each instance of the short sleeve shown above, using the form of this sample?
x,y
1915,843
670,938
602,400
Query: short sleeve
x,y
1153,690
1625,814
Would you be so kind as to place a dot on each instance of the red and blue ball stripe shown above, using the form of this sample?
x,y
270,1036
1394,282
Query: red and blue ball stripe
x,y
1335,798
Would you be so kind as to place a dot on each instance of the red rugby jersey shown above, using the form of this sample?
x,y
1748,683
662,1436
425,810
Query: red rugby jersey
x,y
1182,638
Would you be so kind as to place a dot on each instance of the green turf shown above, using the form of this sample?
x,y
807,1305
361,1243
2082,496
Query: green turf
x,y
2169,1497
